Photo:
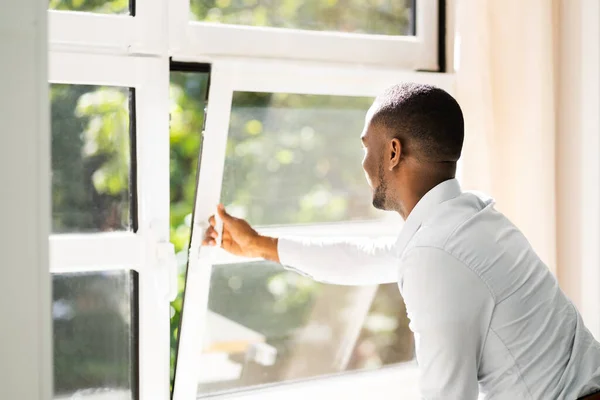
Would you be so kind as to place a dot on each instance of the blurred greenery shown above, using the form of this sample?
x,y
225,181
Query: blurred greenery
x,y
262,297
296,159
90,158
385,17
97,6
282,306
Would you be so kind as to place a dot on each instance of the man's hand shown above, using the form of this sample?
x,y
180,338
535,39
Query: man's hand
x,y
239,238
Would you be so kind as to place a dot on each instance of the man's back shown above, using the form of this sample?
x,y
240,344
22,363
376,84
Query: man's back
x,y
535,345
487,314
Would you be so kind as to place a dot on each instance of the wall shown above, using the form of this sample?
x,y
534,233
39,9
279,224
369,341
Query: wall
x,y
25,359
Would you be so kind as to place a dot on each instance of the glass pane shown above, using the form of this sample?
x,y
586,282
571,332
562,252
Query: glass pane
x,y
188,100
91,158
96,6
95,335
295,159
385,17
268,325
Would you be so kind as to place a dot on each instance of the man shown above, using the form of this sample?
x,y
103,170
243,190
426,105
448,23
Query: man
x,y
486,312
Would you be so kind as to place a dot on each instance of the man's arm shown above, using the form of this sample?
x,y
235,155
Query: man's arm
x,y
343,263
450,309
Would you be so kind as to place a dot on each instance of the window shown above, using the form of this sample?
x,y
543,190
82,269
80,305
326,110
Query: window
x,y
91,161
267,325
282,149
95,334
379,33
94,313
162,109
110,259
388,17
294,159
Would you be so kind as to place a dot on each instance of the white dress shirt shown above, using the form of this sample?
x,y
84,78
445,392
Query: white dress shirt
x,y
487,314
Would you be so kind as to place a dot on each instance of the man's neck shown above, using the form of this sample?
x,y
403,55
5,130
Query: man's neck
x,y
418,185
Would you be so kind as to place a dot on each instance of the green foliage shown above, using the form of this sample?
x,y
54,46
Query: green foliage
x,y
385,17
107,135
97,6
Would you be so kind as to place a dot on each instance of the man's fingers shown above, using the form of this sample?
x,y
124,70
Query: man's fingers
x,y
209,242
211,233
212,221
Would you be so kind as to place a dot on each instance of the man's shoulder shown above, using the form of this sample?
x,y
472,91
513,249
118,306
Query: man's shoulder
x,y
467,228
448,221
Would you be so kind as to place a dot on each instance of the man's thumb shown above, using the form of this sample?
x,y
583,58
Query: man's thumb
x,y
223,214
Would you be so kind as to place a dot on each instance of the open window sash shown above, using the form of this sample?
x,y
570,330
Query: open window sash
x,y
228,77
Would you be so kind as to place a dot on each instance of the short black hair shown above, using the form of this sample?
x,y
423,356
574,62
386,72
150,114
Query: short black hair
x,y
427,120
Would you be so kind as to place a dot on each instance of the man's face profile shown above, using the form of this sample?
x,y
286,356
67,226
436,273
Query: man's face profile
x,y
373,162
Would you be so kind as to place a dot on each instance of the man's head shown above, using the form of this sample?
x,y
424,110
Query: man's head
x,y
413,137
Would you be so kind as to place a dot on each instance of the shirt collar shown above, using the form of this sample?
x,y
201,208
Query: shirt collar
x,y
442,192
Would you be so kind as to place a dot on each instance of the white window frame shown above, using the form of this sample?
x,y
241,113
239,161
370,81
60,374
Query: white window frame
x,y
147,250
206,41
133,51
227,77
86,32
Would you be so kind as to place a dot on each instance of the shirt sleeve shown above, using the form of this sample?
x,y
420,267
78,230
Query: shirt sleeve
x,y
341,263
450,309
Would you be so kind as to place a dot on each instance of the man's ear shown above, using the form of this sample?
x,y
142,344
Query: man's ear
x,y
395,153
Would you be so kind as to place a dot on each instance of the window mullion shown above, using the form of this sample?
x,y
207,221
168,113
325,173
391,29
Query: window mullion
x,y
152,168
90,33
91,69
178,11
95,252
151,28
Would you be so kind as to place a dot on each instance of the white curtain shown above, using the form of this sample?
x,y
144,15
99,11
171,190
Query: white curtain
x,y
505,67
